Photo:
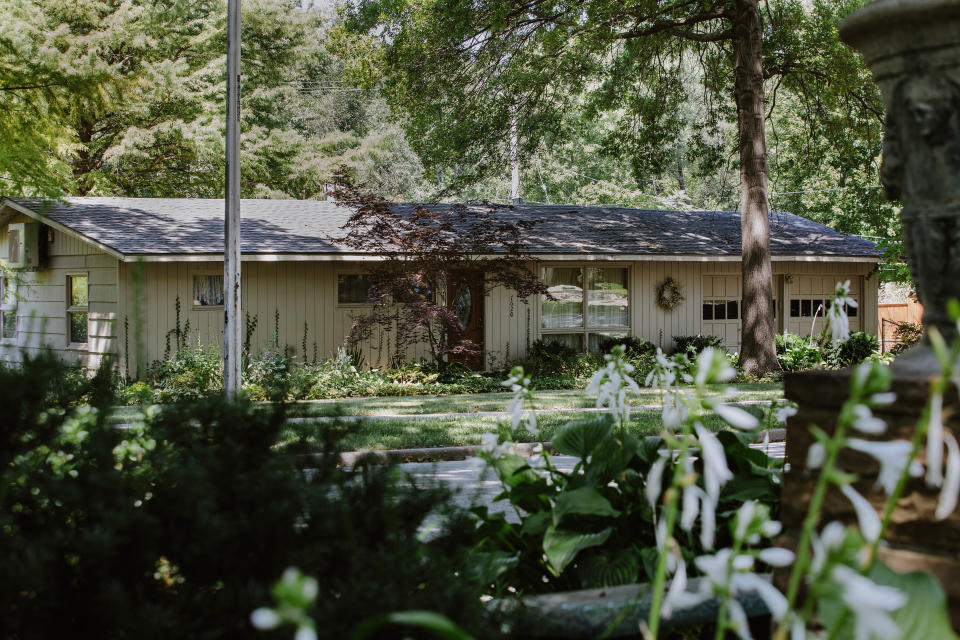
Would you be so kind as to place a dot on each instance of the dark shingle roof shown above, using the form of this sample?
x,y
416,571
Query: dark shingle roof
x,y
150,226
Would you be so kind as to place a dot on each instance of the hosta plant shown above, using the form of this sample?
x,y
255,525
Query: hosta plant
x,y
595,525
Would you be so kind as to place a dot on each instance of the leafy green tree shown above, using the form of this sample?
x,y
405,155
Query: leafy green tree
x,y
44,72
126,97
461,67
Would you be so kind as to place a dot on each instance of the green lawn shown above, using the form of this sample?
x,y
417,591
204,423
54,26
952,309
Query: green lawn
x,y
473,402
466,430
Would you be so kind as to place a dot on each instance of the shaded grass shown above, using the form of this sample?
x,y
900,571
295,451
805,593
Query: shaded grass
x,y
465,430
473,402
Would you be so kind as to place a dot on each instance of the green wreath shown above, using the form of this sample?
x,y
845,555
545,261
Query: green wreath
x,y
670,294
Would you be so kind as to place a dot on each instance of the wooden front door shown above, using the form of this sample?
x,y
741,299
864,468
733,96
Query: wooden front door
x,y
465,299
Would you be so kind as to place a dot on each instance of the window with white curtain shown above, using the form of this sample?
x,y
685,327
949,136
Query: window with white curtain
x,y
208,291
588,304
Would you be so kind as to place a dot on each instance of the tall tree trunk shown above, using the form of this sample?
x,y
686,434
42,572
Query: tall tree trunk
x,y
758,354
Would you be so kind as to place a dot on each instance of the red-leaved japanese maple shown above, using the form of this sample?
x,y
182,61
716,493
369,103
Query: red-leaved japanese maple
x,y
421,249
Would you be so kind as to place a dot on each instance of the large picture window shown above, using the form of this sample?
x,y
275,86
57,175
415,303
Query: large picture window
x,y
589,303
77,307
8,308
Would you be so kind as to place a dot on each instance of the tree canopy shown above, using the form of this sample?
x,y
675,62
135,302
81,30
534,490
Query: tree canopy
x,y
126,97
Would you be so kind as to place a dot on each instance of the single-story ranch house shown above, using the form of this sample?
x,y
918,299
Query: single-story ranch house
x,y
91,272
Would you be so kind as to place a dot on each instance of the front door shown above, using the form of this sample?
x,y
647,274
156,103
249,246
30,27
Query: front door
x,y
465,299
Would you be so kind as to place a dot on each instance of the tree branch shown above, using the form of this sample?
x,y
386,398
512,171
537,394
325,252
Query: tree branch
x,y
679,28
32,86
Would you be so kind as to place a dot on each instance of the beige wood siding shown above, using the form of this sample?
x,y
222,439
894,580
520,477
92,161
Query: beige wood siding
x,y
295,300
306,292
510,327
42,301
699,279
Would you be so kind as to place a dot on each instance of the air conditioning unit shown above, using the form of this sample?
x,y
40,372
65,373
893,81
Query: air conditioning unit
x,y
23,247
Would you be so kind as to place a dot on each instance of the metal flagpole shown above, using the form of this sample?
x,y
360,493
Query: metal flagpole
x,y
514,158
231,249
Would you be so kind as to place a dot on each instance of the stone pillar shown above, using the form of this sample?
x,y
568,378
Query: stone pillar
x,y
915,540
913,50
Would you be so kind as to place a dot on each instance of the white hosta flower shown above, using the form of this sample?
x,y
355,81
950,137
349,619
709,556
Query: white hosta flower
x,y
816,455
678,586
489,442
515,410
715,568
882,399
674,411
742,563
654,484
305,633
784,411
837,314
264,618
661,536
892,456
935,442
870,604
823,544
951,484
611,383
776,556
519,384
771,596
738,620
719,579
736,417
798,629
712,366
771,528
867,517
716,473
708,521
663,375
744,519
690,507
696,502
865,422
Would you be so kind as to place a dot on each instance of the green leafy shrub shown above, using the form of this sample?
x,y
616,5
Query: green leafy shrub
x,y
906,334
275,375
550,358
179,525
137,393
696,344
795,353
852,351
190,373
634,347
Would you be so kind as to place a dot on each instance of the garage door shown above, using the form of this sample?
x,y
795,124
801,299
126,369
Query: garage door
x,y
809,298
721,309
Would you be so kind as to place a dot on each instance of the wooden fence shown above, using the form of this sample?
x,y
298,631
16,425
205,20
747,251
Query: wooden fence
x,y
892,314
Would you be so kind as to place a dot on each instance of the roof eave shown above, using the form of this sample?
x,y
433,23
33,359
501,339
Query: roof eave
x,y
544,257
53,224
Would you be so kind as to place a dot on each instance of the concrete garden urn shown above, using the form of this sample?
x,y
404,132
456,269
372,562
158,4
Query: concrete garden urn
x,y
913,49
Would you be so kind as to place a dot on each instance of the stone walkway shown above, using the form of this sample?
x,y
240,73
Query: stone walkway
x,y
491,414
475,485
